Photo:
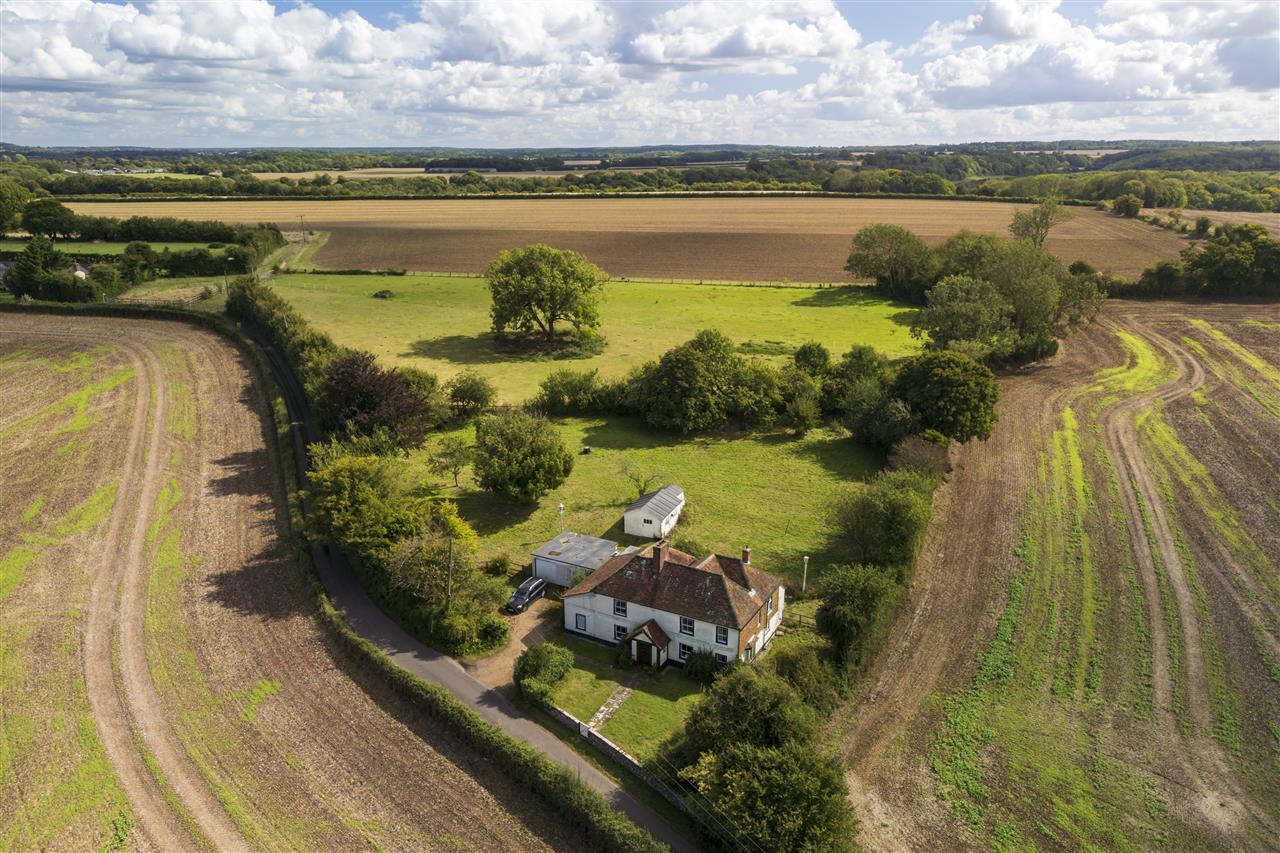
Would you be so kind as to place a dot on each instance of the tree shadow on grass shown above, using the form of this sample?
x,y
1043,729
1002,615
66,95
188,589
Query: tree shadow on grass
x,y
489,514
487,348
837,297
845,457
625,432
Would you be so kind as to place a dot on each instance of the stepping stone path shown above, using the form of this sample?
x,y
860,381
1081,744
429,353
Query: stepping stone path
x,y
610,705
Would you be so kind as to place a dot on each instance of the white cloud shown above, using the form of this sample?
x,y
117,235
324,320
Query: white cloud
x,y
589,71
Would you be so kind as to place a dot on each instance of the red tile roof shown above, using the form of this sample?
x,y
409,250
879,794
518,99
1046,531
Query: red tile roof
x,y
717,589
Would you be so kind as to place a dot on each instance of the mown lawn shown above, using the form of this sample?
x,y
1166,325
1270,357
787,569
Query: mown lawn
x,y
771,492
442,323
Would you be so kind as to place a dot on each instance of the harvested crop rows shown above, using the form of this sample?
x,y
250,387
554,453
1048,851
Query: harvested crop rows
x,y
797,239
1118,539
178,693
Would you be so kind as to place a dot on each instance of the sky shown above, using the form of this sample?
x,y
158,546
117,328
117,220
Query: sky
x,y
544,73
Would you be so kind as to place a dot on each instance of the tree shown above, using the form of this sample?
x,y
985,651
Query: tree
x,y
358,501
13,197
38,258
966,253
427,386
749,705
438,559
1127,205
520,456
358,396
691,387
899,261
470,395
950,393
48,217
1033,225
642,480
452,455
884,521
813,358
964,309
754,396
854,601
801,394
536,287
783,799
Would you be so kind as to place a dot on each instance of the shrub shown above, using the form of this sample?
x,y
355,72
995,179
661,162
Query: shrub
x,y
569,392
499,566
813,358
884,521
470,395
749,705
540,668
359,397
691,387
856,601
800,667
1128,205
702,666
520,456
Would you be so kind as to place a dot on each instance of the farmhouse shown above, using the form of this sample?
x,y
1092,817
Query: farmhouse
x,y
668,604
653,515
569,555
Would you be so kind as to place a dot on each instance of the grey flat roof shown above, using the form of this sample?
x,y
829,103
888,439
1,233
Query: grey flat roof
x,y
662,502
578,549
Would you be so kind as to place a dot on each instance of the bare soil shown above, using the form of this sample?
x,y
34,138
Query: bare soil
x,y
226,717
766,238
1211,605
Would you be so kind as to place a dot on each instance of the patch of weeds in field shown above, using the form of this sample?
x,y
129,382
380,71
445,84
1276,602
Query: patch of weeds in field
x,y
121,826
89,514
251,700
1169,612
85,516
176,806
1261,324
1232,375
1143,370
180,418
1263,368
76,403
33,509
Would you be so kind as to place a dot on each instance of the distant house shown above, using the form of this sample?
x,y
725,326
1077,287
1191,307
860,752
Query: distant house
x,y
569,555
668,604
653,515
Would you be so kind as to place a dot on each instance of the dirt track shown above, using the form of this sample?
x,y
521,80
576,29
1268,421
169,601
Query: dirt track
x,y
222,711
1211,613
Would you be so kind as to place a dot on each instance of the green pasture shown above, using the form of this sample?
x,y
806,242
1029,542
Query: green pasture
x,y
770,492
73,247
442,323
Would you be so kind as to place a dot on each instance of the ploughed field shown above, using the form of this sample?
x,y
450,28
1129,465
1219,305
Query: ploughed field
x,y
740,239
164,682
1091,658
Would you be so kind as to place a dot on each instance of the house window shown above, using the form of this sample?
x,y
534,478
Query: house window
x,y
685,651
580,621
722,635
686,625
648,521
619,607
748,653
619,631
769,604
721,658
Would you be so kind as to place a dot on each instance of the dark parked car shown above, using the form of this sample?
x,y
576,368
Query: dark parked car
x,y
529,591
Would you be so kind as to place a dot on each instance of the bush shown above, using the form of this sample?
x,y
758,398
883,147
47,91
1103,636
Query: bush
x,y
856,602
357,396
520,456
748,705
702,666
884,521
570,392
499,566
800,667
470,395
1127,205
540,668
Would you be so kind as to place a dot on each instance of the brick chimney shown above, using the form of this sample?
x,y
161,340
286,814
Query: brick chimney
x,y
746,556
659,554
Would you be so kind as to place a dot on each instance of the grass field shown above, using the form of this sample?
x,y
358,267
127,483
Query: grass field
x,y
771,492
764,238
442,324
72,247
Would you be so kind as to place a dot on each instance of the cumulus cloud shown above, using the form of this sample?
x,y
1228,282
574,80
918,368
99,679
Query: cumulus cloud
x,y
187,72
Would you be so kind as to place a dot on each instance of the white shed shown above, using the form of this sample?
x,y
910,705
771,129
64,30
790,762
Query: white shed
x,y
654,514
569,555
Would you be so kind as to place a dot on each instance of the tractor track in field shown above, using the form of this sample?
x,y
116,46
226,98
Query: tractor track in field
x,y
958,588
127,708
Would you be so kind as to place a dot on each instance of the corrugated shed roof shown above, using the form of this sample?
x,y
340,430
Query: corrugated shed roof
x,y
717,589
661,502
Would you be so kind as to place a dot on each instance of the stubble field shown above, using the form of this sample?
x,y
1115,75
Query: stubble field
x,y
164,683
1116,544
740,239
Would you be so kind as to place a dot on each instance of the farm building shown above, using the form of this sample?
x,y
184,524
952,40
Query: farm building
x,y
668,604
653,515
569,555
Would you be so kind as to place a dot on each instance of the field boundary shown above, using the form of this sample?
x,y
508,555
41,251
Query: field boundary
x,y
625,279
585,808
